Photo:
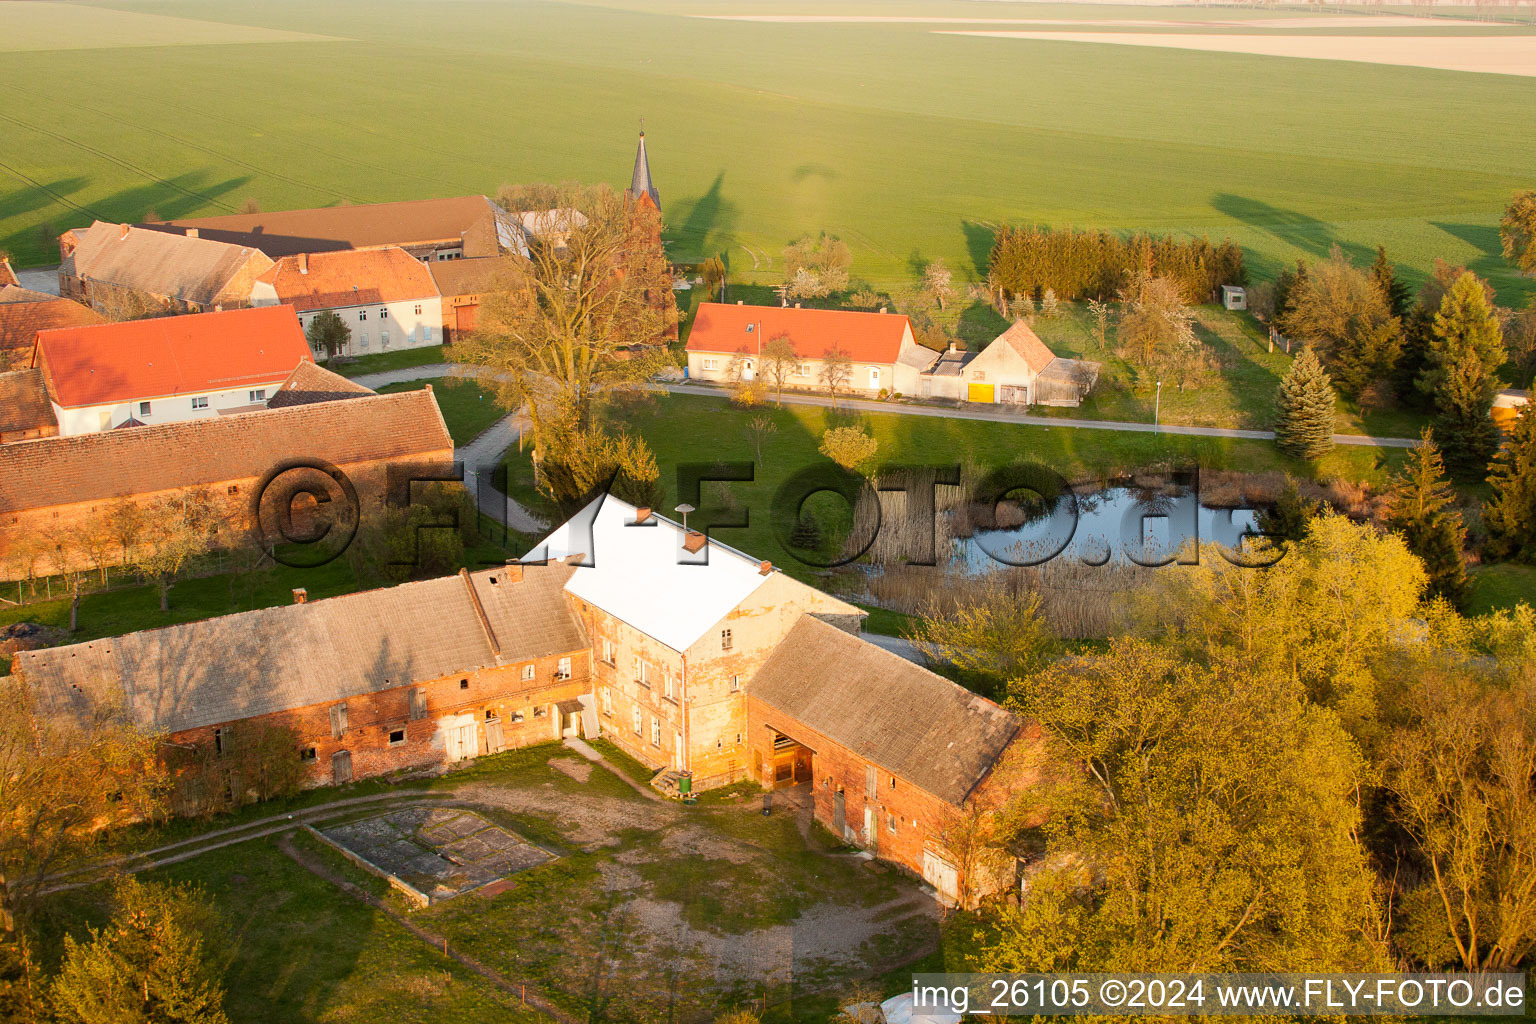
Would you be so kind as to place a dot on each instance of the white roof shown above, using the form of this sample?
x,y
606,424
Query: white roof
x,y
644,576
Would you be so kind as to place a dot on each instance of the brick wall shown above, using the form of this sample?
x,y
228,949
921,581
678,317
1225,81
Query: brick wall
x,y
523,709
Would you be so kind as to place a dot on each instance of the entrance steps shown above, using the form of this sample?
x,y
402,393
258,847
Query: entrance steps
x,y
668,782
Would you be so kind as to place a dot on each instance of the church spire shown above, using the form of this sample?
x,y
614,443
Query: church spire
x,y
641,184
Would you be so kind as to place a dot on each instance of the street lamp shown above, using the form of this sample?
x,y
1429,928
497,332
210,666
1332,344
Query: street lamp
x,y
684,508
1157,406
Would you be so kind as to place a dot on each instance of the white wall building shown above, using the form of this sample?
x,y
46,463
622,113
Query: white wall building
x,y
386,298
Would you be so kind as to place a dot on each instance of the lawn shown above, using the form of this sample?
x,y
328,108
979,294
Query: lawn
x,y
909,143
650,910
399,359
702,430
468,408
1502,585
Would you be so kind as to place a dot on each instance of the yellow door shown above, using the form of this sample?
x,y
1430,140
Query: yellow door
x,y
980,393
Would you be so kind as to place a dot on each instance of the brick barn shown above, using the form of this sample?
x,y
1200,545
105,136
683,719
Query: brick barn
x,y
419,674
129,272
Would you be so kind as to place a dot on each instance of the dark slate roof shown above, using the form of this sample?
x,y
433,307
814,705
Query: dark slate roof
x,y
918,726
24,403
309,383
640,182
221,670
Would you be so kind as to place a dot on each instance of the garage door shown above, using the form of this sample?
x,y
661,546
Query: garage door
x,y
1012,394
979,393
464,317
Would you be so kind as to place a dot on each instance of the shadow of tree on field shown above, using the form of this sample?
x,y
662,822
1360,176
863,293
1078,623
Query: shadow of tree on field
x,y
1292,227
979,239
705,225
1489,262
979,324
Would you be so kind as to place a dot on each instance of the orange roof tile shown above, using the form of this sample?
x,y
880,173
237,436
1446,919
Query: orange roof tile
x,y
865,337
7,275
352,277
23,313
171,355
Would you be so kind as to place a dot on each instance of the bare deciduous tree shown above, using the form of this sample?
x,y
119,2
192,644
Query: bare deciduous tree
x,y
779,361
836,371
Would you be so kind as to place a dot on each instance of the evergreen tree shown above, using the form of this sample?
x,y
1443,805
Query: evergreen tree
x,y
1465,399
1418,330
1291,515
1385,275
1422,509
1464,323
1304,428
1510,514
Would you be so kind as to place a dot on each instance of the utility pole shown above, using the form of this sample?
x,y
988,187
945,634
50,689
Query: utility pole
x,y
1157,406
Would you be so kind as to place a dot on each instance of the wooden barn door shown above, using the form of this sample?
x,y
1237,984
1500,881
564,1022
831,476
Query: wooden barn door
x,y
341,767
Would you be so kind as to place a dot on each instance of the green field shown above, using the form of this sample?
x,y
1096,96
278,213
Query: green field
x,y
908,143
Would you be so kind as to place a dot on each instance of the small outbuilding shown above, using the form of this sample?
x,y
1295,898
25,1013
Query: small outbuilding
x,y
1234,297
1507,406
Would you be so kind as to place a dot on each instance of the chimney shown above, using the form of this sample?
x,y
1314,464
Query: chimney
x,y
882,309
514,571
739,302
191,232
952,346
642,514
303,262
797,305
300,595
122,232
764,567
693,541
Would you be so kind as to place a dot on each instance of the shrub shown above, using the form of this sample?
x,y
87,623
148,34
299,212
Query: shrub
x,y
849,447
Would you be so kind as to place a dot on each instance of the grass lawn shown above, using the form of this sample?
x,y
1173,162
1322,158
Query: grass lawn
x,y
683,429
649,911
399,359
468,409
908,142
1501,585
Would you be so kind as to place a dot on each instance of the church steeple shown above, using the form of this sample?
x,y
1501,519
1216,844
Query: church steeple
x,y
640,183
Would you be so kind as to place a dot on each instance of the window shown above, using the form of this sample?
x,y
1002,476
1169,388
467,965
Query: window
x,y
362,340
802,369
710,364
725,639
893,782
890,822
259,395
307,754
667,687
218,741
607,701
418,309
362,314
637,722
874,375
200,402
980,375
527,673
607,651
396,737
516,716
735,683
490,714
338,720
463,684
540,711
642,673
143,408
426,332
655,731
384,339
563,670
384,314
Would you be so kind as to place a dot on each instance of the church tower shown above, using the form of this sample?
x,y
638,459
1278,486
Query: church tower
x,y
640,183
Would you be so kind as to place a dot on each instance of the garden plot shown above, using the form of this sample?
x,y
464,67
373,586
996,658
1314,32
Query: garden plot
x,y
442,852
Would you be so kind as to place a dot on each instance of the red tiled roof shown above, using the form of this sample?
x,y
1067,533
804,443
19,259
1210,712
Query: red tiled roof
x,y
23,313
353,277
193,453
24,402
172,355
865,337
1023,340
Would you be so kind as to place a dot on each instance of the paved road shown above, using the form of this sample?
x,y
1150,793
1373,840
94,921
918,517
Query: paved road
x,y
482,453
995,413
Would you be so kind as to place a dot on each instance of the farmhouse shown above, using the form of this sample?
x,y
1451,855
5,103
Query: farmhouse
x,y
704,663
727,343
166,369
126,272
460,227
63,486
24,312
419,674
385,297
1017,368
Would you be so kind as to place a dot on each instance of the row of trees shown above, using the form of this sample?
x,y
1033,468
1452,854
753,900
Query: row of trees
x,y
1097,264
1306,767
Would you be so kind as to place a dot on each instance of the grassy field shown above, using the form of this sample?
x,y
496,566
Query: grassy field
x,y
909,143
1501,586
684,429
468,409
